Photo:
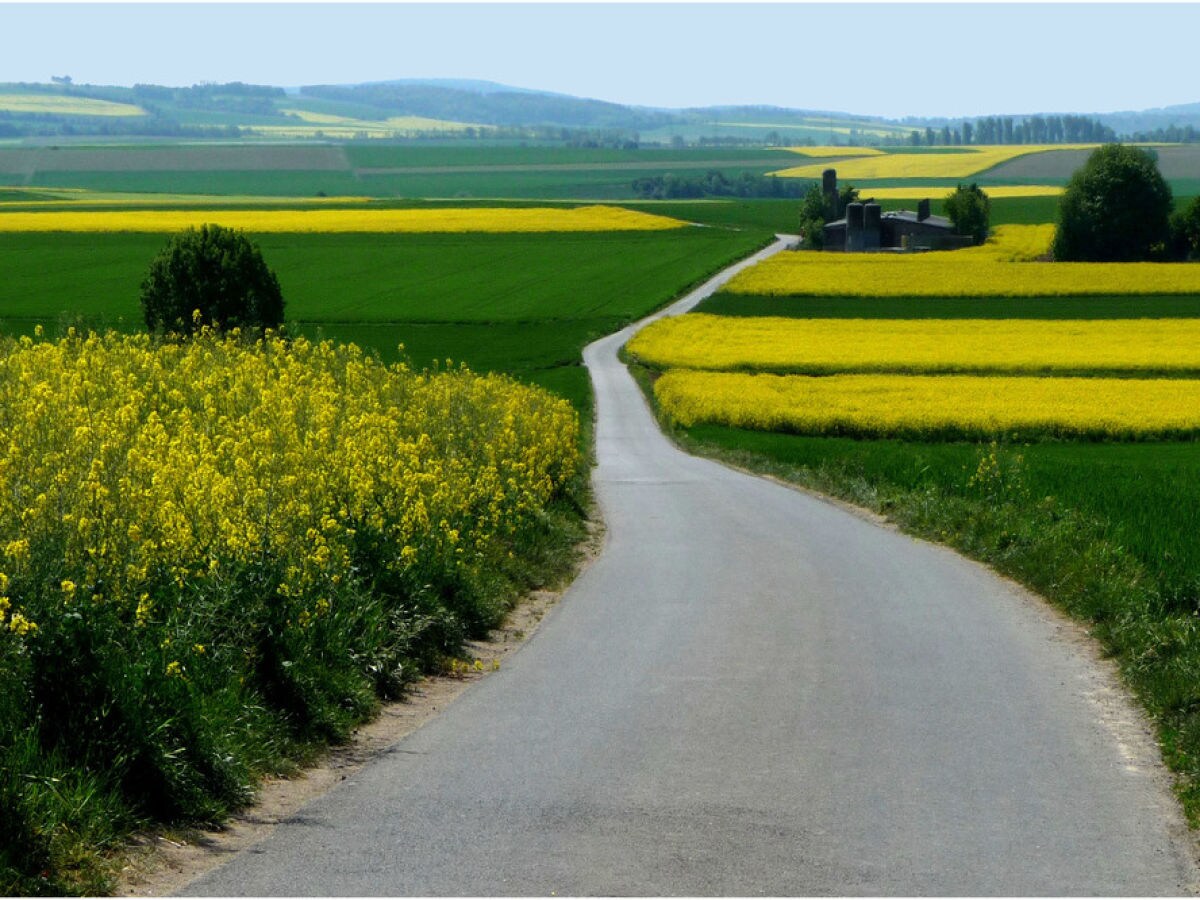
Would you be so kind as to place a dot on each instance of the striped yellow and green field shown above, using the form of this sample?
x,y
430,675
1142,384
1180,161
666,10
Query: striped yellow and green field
x,y
758,371
487,286
807,376
513,289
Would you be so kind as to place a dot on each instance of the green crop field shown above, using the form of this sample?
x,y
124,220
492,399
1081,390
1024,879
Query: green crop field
x,y
377,170
600,182
387,278
1141,307
289,183
386,156
524,304
1180,161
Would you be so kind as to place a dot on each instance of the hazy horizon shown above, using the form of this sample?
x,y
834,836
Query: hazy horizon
x,y
891,59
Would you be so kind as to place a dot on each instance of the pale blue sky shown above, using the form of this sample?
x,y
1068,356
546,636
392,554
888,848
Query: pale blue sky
x,y
887,59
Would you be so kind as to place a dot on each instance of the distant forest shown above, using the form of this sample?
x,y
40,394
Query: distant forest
x,y
715,184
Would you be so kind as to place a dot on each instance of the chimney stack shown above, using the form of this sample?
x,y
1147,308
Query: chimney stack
x,y
922,210
829,189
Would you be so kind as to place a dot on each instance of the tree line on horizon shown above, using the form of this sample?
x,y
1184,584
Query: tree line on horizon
x,y
1065,129
512,114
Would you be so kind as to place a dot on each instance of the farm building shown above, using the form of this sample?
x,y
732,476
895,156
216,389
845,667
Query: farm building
x,y
865,227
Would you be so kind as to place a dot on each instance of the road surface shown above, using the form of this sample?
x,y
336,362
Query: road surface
x,y
753,691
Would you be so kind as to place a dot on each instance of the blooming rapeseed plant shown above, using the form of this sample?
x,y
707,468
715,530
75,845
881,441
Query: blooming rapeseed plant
x,y
157,491
935,406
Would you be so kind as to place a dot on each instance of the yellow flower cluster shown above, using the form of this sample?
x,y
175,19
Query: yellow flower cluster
x,y
933,406
816,346
959,164
134,473
458,220
16,623
1003,267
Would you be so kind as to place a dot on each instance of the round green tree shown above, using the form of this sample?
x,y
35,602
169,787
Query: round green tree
x,y
1116,208
210,276
969,210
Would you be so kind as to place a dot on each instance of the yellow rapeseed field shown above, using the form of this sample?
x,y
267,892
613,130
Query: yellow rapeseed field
x,y
722,343
1000,268
927,406
479,219
63,105
834,151
958,164
319,125
137,476
939,192
344,126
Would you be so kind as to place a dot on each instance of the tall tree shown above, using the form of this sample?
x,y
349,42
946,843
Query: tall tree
x,y
1116,208
969,210
216,274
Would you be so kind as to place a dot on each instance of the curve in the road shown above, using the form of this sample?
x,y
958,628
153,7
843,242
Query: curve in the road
x,y
754,691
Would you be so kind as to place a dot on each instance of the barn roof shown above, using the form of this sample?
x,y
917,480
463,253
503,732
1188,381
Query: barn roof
x,y
909,216
906,215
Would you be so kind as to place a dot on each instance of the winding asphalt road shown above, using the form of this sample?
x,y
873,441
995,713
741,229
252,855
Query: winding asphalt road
x,y
753,691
